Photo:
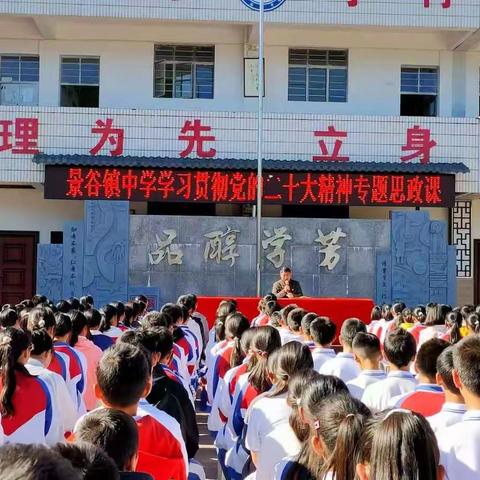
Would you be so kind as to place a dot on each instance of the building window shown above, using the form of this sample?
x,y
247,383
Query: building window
x,y
80,80
183,71
419,91
19,80
317,75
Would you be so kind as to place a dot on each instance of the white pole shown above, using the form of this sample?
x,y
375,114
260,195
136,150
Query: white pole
x,y
260,144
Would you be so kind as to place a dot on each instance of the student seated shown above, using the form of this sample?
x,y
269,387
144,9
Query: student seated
x,y
116,433
453,409
124,380
399,350
322,331
367,352
294,322
408,435
90,461
35,462
460,443
427,397
305,330
343,365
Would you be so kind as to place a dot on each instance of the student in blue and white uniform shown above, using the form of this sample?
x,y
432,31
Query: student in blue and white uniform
x,y
322,331
343,365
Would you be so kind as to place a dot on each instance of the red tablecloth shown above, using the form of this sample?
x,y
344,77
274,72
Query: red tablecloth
x,y
337,309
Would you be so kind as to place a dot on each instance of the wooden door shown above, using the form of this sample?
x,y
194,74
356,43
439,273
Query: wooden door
x,y
17,266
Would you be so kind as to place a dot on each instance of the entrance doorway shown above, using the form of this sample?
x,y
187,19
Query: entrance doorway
x,y
18,256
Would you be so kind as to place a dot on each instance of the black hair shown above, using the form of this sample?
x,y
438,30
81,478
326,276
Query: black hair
x,y
122,374
376,313
87,301
323,331
156,319
153,339
286,270
339,421
399,445
94,318
13,342
387,312
290,358
36,299
129,314
473,322
8,317
427,356
42,342
225,308
173,311
294,319
108,312
113,431
235,325
271,307
420,314
34,462
285,311
434,315
445,369
400,348
265,341
41,317
187,301
350,328
63,306
398,308
366,345
275,319
91,461
63,324
466,360
79,322
307,322
75,303
119,307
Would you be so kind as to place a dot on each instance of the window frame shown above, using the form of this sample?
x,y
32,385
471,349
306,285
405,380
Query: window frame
x,y
423,94
193,65
326,67
20,56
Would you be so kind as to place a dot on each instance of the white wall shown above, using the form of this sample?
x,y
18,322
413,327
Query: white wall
x,y
375,60
25,209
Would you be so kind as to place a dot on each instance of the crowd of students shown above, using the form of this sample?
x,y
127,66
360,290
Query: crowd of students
x,y
109,393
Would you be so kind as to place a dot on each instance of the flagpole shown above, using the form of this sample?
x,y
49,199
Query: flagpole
x,y
261,20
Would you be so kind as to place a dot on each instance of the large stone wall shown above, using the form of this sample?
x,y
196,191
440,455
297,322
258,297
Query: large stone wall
x,y
353,275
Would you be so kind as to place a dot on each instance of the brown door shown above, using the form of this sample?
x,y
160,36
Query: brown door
x,y
17,266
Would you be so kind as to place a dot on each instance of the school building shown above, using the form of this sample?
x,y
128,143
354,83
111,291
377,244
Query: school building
x,y
371,107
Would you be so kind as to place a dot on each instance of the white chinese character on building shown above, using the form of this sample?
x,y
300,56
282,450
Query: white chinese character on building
x,y
276,239
222,246
166,249
330,246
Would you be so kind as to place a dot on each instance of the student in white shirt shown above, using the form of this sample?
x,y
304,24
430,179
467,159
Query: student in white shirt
x,y
37,365
285,334
434,323
343,365
399,350
305,330
294,322
398,444
269,435
322,331
108,325
368,355
454,408
460,443
338,422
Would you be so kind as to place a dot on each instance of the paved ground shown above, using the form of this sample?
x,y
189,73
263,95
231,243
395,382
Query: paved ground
x,y
206,455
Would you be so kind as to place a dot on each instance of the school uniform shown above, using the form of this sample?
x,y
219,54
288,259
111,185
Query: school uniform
x,y
196,329
101,340
428,333
321,355
342,366
358,385
460,448
283,467
196,470
179,365
269,433
113,332
62,402
73,370
416,330
450,414
379,395
260,320
160,437
382,328
426,399
92,354
287,336
35,419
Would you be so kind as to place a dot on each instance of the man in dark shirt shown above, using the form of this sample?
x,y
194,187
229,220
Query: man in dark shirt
x,y
286,286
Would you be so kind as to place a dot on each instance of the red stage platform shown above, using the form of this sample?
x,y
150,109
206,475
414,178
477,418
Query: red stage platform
x,y
338,309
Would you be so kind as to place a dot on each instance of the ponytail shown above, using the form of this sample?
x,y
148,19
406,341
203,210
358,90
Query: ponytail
x,y
108,313
235,325
454,321
473,322
13,342
265,341
79,322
